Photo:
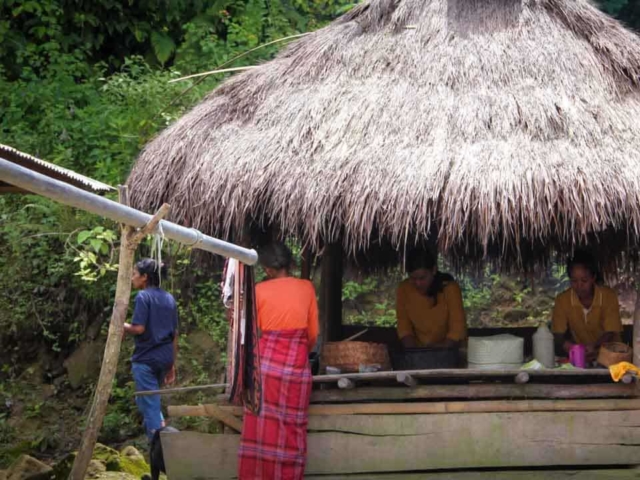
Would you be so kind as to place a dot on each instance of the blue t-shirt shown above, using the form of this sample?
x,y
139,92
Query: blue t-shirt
x,y
157,311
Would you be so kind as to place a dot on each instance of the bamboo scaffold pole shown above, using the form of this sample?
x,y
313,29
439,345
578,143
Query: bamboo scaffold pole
x,y
75,197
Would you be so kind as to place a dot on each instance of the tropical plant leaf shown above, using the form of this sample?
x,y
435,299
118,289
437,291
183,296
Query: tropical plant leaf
x,y
82,236
163,46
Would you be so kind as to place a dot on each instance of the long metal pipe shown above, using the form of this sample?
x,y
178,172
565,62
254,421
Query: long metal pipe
x,y
76,197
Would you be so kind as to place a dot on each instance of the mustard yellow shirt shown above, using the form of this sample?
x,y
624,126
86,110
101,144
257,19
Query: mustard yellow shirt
x,y
587,326
418,316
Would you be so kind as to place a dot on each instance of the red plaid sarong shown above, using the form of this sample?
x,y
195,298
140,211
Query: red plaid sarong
x,y
274,443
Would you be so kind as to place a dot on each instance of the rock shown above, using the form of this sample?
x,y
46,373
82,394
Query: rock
x,y
26,467
84,363
116,476
58,382
95,469
93,330
132,453
133,463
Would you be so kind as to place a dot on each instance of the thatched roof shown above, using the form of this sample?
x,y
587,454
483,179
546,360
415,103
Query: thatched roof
x,y
504,124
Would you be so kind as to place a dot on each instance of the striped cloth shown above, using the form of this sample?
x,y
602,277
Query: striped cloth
x,y
243,367
274,443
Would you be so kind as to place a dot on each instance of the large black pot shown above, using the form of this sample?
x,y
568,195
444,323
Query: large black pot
x,y
425,358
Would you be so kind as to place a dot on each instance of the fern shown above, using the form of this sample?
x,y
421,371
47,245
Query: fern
x,y
163,46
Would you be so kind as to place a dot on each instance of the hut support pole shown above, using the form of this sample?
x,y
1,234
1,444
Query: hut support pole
x,y
331,291
636,327
130,239
305,268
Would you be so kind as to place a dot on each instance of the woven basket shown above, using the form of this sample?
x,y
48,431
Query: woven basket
x,y
348,356
612,353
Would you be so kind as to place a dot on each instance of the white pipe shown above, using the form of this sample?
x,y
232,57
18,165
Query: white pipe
x,y
66,194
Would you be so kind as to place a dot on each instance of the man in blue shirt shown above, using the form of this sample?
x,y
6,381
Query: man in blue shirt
x,y
155,330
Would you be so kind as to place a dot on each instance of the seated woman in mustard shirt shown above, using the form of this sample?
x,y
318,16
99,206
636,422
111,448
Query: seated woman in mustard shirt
x,y
586,313
429,306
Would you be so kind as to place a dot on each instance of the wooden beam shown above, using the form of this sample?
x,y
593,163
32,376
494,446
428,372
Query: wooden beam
x,y
348,444
477,391
331,292
222,416
208,410
435,407
130,238
463,373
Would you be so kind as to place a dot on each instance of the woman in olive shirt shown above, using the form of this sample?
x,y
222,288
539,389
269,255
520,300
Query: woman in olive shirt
x,y
586,313
429,306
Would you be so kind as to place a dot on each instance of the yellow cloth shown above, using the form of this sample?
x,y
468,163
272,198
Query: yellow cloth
x,y
587,328
417,315
618,370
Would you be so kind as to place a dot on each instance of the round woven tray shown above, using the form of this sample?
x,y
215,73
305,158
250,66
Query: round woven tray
x,y
349,356
612,353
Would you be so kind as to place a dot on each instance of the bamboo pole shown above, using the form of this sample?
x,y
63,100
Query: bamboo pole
x,y
66,194
130,239
171,391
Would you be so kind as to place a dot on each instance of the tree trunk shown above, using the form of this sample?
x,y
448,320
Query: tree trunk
x,y
129,242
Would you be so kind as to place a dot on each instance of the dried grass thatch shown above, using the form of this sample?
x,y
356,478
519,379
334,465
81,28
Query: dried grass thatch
x,y
505,125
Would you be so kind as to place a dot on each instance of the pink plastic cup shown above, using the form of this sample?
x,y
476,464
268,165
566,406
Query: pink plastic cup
x,y
578,356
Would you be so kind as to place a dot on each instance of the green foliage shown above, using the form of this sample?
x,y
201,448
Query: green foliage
x,y
613,7
82,86
628,11
96,255
33,34
366,305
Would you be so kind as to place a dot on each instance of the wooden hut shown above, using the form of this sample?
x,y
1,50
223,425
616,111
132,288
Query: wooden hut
x,y
502,130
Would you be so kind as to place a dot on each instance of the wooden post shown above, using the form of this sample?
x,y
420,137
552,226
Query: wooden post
x,y
130,239
636,327
331,292
305,268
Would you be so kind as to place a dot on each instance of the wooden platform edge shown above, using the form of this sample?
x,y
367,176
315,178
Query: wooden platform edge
x,y
373,444
505,406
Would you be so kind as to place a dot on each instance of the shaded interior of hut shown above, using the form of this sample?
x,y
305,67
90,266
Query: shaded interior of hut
x,y
580,348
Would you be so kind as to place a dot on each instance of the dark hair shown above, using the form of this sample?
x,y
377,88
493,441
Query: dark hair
x,y
148,267
585,260
422,259
276,255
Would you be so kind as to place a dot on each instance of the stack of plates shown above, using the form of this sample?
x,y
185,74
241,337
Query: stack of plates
x,y
496,352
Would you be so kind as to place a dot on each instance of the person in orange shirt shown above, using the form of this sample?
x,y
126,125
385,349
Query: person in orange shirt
x,y
429,306
274,442
586,313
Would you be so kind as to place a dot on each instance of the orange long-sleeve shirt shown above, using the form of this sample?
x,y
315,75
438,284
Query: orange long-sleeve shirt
x,y
288,304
